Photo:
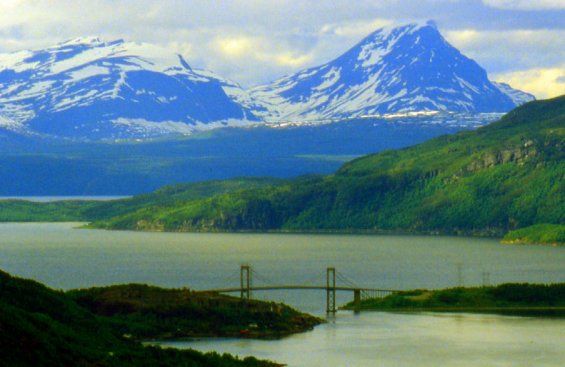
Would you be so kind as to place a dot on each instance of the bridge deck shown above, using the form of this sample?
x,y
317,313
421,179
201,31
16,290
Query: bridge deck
x,y
290,287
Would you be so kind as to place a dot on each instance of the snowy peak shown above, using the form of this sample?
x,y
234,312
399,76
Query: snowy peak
x,y
401,69
89,88
373,48
92,40
93,89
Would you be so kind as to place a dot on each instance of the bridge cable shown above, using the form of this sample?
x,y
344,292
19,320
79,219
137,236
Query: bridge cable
x,y
316,279
364,293
257,275
346,280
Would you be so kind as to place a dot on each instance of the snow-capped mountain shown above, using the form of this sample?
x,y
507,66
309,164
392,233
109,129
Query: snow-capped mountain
x,y
95,90
90,89
517,96
394,70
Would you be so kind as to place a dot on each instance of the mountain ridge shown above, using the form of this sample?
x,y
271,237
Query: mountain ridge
x,y
90,89
394,69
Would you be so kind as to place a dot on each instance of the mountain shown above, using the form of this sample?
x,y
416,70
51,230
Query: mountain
x,y
500,177
518,97
90,89
405,69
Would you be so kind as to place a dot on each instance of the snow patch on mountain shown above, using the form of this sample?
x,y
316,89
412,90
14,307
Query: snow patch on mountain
x,y
394,70
517,96
80,87
87,88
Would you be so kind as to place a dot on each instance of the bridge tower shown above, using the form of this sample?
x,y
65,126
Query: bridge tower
x,y
330,290
245,281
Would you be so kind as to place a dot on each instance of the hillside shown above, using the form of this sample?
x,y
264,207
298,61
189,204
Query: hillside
x,y
510,298
543,234
17,210
40,326
497,178
150,313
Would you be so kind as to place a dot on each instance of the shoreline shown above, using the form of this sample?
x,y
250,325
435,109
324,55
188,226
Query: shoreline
x,y
506,311
508,298
359,232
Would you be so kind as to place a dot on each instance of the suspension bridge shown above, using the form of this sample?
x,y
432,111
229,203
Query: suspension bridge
x,y
246,288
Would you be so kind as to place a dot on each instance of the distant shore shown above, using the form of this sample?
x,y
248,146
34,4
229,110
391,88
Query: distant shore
x,y
512,298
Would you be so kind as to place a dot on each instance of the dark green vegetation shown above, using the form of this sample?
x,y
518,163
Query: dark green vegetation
x,y
147,312
168,196
43,327
507,298
545,234
40,167
501,177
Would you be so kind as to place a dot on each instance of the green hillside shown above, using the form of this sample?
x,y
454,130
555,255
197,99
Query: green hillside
x,y
513,298
167,196
148,312
102,326
497,178
549,234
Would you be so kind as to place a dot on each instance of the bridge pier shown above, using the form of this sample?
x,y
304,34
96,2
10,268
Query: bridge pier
x,y
357,299
245,281
330,290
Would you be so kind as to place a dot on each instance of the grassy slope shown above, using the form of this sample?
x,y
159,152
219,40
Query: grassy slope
x,y
532,297
501,177
74,210
147,312
553,234
40,326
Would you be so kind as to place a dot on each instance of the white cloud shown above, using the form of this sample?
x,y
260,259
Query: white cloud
x,y
236,46
255,41
288,59
542,82
359,28
526,4
510,50
260,49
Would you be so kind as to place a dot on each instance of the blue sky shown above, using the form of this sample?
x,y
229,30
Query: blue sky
x,y
521,42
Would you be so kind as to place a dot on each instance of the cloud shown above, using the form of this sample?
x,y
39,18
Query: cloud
x,y
526,4
260,49
510,50
543,83
291,60
236,46
256,41
356,28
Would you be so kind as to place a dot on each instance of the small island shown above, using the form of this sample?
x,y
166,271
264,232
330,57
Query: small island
x,y
106,326
510,298
147,312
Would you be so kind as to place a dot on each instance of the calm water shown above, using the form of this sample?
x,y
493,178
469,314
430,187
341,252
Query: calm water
x,y
393,340
62,257
46,199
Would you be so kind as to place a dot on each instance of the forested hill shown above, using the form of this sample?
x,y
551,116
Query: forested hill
x,y
497,178
45,327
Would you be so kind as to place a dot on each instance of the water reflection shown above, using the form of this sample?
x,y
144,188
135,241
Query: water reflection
x,y
62,257
424,339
